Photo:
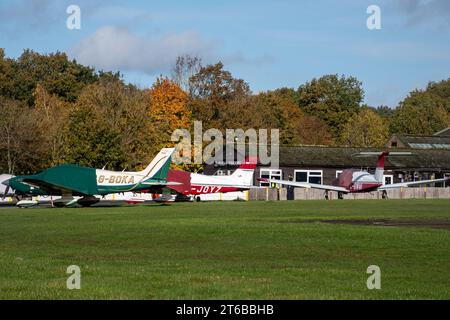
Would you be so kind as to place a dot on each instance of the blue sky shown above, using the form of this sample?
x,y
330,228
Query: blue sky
x,y
269,44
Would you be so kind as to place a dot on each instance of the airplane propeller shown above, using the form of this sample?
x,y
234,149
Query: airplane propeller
x,y
7,189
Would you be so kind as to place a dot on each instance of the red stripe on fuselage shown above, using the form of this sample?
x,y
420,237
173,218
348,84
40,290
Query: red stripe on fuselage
x,y
198,189
364,187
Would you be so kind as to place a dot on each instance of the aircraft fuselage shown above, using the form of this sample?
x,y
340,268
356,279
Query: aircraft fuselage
x,y
357,181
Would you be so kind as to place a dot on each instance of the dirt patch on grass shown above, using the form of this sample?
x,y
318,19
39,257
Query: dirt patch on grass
x,y
437,224
423,223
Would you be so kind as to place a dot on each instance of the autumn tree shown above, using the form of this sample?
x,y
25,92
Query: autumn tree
x,y
168,111
288,93
18,141
279,109
212,89
276,111
310,130
169,106
332,99
52,115
365,129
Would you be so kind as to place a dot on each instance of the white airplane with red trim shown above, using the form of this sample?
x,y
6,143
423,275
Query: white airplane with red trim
x,y
357,181
194,184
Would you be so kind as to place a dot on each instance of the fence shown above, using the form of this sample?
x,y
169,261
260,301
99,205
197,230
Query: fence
x,y
315,194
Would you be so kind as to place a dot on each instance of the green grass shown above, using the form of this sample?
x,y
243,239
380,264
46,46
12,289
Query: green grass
x,y
229,250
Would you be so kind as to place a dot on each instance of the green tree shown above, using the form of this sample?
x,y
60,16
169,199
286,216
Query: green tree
x,y
383,111
365,129
440,92
420,113
6,74
91,141
109,125
332,99
55,72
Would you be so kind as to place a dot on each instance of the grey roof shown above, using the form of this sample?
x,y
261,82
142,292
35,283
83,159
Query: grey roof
x,y
425,142
342,157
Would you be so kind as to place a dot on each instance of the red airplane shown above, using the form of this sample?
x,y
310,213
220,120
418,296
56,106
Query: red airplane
x,y
194,184
354,180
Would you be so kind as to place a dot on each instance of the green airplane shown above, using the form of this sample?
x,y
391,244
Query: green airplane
x,y
69,181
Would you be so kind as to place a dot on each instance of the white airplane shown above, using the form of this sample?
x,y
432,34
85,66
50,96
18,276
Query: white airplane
x,y
357,181
194,184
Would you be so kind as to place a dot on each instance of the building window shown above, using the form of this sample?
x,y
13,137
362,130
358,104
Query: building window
x,y
388,179
310,176
275,174
394,144
338,172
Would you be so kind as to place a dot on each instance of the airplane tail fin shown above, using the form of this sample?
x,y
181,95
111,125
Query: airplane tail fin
x,y
158,168
379,171
244,174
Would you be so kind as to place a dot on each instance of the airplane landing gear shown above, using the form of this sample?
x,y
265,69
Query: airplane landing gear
x,y
327,195
340,195
384,194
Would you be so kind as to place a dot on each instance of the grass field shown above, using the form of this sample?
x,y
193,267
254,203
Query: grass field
x,y
231,250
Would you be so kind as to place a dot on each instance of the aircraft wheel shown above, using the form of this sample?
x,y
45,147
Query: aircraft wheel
x,y
198,199
340,195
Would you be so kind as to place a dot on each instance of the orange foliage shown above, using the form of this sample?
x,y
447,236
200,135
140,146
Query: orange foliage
x,y
169,109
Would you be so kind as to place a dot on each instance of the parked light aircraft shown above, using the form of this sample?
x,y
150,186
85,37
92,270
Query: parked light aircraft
x,y
194,184
354,180
80,185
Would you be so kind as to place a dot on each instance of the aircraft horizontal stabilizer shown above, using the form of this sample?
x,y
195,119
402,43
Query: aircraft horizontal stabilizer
x,y
376,153
411,184
306,185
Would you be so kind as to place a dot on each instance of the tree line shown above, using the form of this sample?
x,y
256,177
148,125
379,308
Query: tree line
x,y
54,110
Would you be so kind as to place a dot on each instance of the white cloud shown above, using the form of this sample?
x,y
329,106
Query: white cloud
x,y
113,48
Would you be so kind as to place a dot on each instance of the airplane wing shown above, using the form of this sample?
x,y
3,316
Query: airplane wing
x,y
75,180
411,184
50,188
156,183
306,185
